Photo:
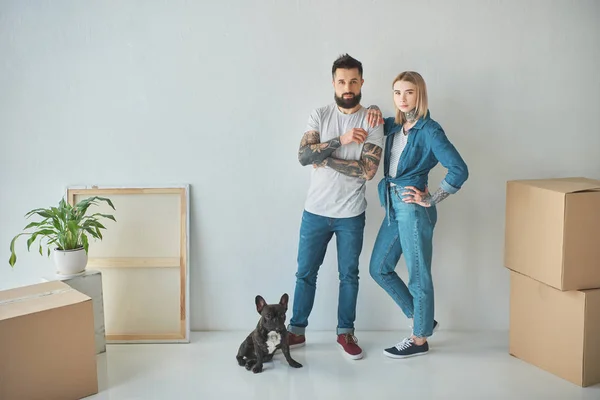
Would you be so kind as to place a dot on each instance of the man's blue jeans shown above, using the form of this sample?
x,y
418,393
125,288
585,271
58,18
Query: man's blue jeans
x,y
315,233
409,232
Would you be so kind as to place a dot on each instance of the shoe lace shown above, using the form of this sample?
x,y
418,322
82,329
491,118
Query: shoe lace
x,y
404,344
350,338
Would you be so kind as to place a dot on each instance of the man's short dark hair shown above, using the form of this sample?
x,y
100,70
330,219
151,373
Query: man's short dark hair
x,y
346,62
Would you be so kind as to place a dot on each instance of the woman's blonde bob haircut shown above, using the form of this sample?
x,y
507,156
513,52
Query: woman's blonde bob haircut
x,y
422,105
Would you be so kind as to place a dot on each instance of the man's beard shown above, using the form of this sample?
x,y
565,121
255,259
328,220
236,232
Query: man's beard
x,y
347,103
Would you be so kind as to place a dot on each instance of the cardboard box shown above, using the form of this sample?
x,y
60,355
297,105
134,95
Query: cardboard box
x,y
552,231
555,330
47,348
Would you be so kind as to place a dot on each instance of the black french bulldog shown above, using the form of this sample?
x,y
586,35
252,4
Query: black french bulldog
x,y
269,336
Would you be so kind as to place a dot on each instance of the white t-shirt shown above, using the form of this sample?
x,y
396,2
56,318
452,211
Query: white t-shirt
x,y
400,141
331,193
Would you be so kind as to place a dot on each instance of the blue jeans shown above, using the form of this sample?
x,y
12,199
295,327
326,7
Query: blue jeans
x,y
409,232
315,233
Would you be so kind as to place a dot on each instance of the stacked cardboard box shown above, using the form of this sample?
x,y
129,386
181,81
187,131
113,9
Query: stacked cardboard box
x,y
552,249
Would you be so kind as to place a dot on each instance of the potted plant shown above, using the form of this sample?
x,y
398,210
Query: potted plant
x,y
66,229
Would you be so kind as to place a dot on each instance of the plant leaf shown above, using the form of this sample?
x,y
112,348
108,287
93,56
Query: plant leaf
x,y
95,215
84,240
92,232
42,212
105,199
32,224
31,240
92,222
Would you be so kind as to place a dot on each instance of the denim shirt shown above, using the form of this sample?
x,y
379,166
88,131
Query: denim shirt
x,y
426,146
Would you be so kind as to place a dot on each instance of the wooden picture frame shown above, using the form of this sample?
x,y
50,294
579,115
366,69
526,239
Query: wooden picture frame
x,y
143,258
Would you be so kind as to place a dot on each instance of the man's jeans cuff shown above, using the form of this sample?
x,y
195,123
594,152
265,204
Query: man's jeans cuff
x,y
296,330
342,331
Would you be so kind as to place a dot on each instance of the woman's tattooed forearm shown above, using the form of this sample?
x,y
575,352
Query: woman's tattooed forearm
x,y
437,197
312,151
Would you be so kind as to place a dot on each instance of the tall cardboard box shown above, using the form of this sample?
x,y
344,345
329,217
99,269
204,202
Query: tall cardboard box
x,y
557,331
47,348
552,231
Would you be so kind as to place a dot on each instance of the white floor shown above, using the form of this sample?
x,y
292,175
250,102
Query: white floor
x,y
458,366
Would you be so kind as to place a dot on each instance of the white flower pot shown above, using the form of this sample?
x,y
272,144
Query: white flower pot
x,y
70,262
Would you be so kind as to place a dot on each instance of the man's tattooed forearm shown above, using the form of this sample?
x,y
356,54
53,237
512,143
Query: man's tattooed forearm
x,y
438,196
347,167
313,152
365,168
371,157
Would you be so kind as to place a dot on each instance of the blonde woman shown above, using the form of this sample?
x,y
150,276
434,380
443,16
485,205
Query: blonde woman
x,y
414,144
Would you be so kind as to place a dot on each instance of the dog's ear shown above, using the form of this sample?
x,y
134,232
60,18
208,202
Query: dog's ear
x,y
284,300
260,303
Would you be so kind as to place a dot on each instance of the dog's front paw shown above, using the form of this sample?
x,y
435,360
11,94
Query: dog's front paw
x,y
250,364
295,364
257,369
241,361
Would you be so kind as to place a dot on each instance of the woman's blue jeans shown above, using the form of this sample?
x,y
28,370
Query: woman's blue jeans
x,y
409,232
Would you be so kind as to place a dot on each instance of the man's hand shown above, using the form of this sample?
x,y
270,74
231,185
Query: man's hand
x,y
364,168
357,135
321,164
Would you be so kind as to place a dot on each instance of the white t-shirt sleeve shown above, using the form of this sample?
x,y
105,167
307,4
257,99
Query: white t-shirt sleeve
x,y
314,122
376,136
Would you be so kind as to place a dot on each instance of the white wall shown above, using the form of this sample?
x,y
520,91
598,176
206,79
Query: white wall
x,y
217,94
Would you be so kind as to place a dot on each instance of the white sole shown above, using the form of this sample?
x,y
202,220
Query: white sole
x,y
408,356
349,356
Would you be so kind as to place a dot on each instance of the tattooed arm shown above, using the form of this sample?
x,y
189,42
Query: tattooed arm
x,y
457,173
437,197
312,151
425,199
365,168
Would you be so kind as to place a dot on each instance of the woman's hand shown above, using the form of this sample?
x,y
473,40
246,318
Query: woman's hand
x,y
374,117
417,197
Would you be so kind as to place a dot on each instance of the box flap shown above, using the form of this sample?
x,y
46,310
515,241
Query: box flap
x,y
39,297
563,185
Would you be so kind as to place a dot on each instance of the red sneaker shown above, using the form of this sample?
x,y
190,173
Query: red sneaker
x,y
296,340
348,343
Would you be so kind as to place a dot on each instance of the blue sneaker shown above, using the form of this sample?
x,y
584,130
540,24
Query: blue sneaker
x,y
406,348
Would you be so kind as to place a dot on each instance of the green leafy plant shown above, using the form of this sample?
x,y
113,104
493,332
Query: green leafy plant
x,y
65,227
